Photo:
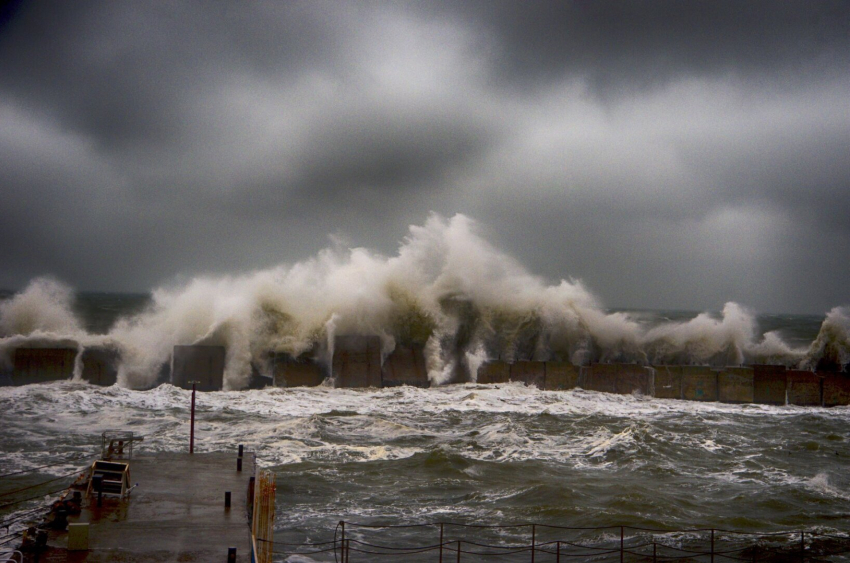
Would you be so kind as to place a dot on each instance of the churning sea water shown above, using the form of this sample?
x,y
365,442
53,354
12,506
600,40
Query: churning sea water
x,y
469,454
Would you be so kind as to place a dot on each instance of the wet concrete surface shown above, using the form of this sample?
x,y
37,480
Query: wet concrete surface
x,y
176,513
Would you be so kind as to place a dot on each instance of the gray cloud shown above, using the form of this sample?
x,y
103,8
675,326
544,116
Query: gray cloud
x,y
670,154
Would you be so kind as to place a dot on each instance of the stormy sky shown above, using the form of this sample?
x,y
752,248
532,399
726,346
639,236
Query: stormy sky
x,y
669,154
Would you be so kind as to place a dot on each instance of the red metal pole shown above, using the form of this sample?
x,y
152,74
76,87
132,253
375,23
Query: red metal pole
x,y
192,423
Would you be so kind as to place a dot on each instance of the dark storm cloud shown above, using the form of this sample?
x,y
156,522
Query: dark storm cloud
x,y
614,43
698,147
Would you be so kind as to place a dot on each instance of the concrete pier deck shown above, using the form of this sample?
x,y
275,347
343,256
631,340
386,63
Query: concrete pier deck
x,y
176,513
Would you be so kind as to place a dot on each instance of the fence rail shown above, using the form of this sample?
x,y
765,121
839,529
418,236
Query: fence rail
x,y
455,542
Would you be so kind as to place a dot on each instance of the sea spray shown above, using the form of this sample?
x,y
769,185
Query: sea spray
x,y
447,290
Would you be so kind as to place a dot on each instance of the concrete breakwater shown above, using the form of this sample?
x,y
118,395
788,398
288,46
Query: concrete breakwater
x,y
358,361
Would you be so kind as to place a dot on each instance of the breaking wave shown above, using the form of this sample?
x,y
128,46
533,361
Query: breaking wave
x,y
447,289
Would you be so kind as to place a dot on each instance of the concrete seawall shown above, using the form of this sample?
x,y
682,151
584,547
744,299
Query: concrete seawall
x,y
357,362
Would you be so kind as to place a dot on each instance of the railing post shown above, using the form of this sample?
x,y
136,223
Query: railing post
x,y
458,551
192,423
441,542
342,541
533,540
558,551
654,552
802,546
712,545
347,551
622,550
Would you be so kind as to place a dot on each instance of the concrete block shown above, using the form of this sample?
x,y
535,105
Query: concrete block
x,y
495,371
100,366
735,385
769,385
561,375
836,390
529,372
633,378
39,365
204,364
405,366
302,371
600,377
668,382
78,536
804,388
357,361
699,383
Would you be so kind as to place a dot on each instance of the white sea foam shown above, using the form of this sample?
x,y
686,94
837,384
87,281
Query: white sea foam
x,y
446,288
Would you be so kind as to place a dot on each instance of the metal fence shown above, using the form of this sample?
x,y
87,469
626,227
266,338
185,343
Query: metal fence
x,y
540,543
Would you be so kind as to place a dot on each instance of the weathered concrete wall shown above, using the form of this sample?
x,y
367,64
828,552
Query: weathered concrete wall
x,y
804,388
100,366
405,366
495,371
836,390
600,377
632,378
357,361
204,364
561,375
735,385
769,384
529,372
668,382
303,371
39,365
699,383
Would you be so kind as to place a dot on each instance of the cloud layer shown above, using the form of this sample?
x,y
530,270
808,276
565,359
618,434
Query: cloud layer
x,y
670,155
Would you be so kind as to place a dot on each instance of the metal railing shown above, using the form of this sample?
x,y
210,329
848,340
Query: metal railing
x,y
456,542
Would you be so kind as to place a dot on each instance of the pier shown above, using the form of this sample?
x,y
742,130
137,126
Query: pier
x,y
181,507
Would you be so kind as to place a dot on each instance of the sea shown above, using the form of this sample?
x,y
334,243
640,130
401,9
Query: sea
x,y
486,469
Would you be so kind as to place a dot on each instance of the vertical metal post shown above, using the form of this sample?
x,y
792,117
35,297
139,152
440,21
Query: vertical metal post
x,y
802,546
238,464
458,551
558,551
622,552
342,542
226,499
712,545
441,542
533,540
654,552
241,449
192,423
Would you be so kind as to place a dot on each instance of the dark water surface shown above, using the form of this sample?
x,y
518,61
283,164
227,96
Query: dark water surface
x,y
471,454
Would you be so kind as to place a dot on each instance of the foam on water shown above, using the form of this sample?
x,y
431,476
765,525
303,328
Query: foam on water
x,y
446,289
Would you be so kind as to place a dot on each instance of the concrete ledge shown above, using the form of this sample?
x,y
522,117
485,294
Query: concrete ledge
x,y
204,364
804,388
561,375
769,384
100,366
836,390
405,366
668,382
357,361
302,371
495,371
699,383
735,385
600,377
40,365
530,373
